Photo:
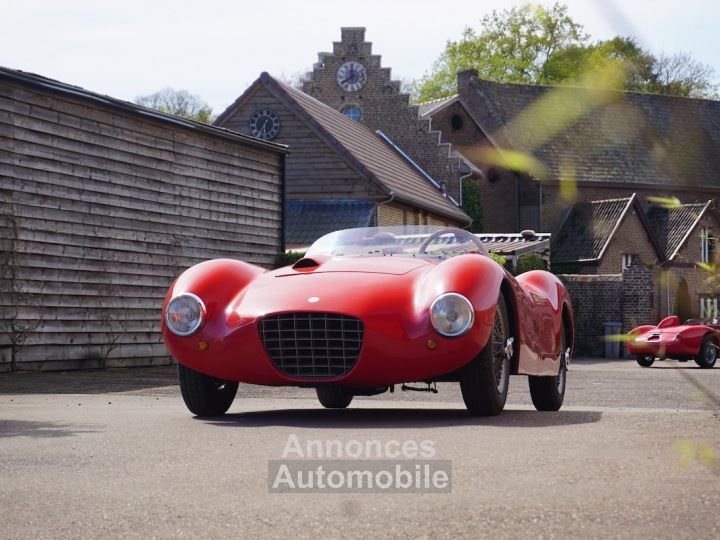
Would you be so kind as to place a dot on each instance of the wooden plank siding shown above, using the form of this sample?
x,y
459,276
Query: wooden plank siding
x,y
390,215
314,170
101,208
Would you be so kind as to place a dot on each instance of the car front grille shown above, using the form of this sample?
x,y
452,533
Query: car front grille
x,y
312,345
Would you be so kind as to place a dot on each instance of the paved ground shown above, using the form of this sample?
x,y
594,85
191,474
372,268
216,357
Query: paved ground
x,y
635,453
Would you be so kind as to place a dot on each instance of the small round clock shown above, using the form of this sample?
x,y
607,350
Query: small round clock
x,y
264,124
351,76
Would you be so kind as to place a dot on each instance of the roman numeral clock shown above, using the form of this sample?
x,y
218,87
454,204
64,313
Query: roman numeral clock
x,y
351,76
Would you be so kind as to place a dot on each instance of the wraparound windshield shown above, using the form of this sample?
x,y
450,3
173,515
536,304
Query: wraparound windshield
x,y
409,240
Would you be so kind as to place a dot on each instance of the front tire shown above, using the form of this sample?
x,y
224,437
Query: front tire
x,y
548,393
707,356
484,381
205,395
645,360
333,397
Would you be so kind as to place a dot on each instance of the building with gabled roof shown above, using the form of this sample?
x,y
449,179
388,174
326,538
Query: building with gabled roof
x,y
103,203
604,237
333,157
678,241
674,224
578,144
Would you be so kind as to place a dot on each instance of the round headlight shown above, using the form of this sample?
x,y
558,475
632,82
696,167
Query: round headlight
x,y
452,314
184,314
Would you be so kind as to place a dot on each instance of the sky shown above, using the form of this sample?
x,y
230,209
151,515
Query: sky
x,y
217,48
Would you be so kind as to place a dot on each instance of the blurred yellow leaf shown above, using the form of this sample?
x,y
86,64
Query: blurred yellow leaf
x,y
665,202
622,338
691,451
513,160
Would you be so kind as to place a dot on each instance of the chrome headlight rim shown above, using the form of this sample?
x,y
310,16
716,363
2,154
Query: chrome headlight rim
x,y
197,325
471,319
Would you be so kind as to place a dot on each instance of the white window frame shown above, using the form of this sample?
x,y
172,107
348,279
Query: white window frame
x,y
706,237
627,260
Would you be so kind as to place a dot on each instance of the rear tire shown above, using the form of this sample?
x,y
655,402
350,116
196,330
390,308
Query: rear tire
x,y
645,360
707,356
205,395
548,393
333,397
484,381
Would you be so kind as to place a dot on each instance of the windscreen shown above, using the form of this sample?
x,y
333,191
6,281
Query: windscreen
x,y
408,241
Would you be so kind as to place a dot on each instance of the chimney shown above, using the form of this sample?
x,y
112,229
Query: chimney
x,y
464,78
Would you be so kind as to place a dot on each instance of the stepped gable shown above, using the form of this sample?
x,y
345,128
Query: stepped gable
x,y
382,106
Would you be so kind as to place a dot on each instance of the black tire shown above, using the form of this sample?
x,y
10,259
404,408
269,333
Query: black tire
x,y
683,359
333,397
484,381
205,395
645,360
707,356
548,393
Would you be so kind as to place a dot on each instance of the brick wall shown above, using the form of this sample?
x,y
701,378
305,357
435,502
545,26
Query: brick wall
x,y
631,238
626,298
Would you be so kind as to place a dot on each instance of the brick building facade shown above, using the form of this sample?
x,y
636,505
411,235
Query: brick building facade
x,y
378,103
582,145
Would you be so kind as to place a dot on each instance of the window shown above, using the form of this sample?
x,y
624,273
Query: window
x,y
353,112
707,245
627,260
456,122
708,307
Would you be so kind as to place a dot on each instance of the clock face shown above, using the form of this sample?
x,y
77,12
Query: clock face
x,y
351,76
264,124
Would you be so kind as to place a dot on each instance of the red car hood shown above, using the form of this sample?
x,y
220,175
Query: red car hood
x,y
374,265
353,287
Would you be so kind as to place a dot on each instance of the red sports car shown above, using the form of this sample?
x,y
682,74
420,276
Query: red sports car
x,y
365,310
670,339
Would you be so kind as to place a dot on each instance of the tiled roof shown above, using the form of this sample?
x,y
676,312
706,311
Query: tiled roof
x,y
362,149
309,219
602,135
428,107
672,225
587,229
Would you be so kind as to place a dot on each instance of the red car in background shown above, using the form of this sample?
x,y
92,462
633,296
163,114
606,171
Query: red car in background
x,y
670,339
367,309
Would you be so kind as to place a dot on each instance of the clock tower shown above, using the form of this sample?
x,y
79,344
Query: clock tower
x,y
352,80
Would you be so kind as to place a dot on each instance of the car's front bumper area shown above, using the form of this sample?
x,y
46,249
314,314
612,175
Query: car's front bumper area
x,y
663,346
391,353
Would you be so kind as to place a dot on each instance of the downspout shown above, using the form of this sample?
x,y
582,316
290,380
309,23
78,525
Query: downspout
x,y
283,201
460,194
382,203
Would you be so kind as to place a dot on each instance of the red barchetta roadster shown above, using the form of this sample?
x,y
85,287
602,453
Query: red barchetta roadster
x,y
670,339
367,309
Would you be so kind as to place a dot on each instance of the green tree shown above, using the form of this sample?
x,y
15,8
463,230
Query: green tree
x,y
533,44
178,102
472,204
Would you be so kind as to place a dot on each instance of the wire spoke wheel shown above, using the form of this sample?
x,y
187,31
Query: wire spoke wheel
x,y
484,381
500,360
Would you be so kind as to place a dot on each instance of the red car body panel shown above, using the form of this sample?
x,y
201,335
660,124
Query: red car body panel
x,y
390,295
669,338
